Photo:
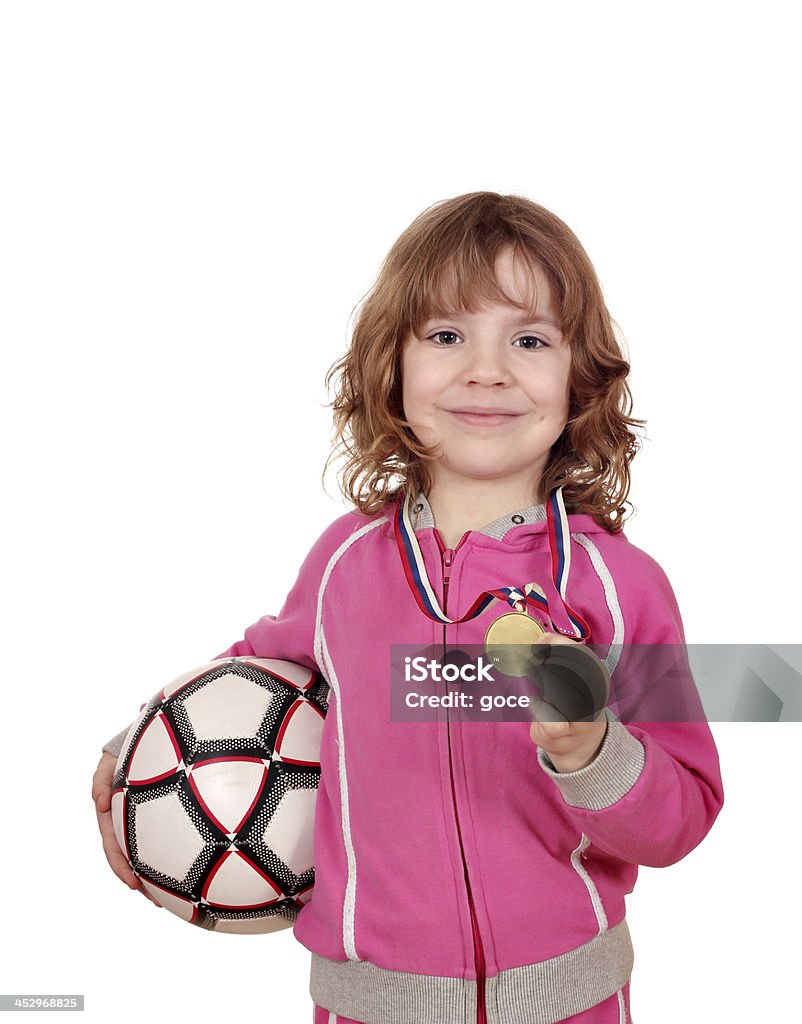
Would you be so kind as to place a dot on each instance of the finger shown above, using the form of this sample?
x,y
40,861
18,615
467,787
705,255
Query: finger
x,y
555,638
102,781
548,724
545,713
572,678
147,896
120,866
546,734
123,871
118,862
103,800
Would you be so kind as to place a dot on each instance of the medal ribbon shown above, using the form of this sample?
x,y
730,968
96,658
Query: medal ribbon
x,y
560,546
520,598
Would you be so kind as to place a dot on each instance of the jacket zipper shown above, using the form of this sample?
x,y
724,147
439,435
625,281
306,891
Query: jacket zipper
x,y
478,950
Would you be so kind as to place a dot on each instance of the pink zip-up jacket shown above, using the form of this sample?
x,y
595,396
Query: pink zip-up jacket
x,y
458,876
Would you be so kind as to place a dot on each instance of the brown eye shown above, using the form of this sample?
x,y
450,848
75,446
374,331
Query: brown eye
x,y
531,341
444,337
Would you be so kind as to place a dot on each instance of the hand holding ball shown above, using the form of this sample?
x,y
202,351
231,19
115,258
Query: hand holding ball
x,y
214,793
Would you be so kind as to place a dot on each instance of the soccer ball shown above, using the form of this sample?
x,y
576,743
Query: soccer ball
x,y
214,793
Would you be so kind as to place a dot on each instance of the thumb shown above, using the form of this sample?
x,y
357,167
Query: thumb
x,y
548,722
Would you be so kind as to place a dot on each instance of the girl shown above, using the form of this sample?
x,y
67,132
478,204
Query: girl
x,y
477,873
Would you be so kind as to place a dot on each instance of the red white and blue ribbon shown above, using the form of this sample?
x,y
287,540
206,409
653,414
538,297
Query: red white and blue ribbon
x,y
530,596
560,547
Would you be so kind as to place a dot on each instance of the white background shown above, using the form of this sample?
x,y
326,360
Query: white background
x,y
194,198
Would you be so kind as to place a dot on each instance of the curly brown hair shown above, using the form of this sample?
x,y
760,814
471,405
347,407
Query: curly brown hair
x,y
445,260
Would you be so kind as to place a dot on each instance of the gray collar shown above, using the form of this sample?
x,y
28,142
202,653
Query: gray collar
x,y
422,518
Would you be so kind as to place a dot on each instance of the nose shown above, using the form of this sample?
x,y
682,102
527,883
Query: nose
x,y
486,364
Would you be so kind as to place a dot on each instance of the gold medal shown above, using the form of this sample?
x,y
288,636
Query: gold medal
x,y
508,642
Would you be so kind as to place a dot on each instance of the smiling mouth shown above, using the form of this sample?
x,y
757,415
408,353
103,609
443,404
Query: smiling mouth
x,y
484,417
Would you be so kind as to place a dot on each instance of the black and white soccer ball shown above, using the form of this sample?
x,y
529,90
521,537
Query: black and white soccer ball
x,y
214,793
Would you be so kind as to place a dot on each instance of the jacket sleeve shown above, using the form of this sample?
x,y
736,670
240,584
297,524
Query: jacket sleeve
x,y
654,789
290,635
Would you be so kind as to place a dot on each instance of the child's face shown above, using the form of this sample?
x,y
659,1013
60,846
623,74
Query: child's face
x,y
490,387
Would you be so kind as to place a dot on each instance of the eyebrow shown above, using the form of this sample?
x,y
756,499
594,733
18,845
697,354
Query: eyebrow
x,y
457,314
539,320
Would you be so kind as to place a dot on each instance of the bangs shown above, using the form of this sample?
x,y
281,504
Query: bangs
x,y
465,280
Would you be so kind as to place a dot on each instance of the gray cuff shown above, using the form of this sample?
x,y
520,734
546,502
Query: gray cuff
x,y
115,745
609,776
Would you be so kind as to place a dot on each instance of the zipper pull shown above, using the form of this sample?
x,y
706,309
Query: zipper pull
x,y
448,558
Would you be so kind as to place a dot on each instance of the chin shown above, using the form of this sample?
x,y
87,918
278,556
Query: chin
x,y
485,472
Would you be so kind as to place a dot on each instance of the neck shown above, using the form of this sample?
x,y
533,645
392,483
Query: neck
x,y
461,505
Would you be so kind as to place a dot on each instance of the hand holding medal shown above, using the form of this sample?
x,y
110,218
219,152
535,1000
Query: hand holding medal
x,y
570,724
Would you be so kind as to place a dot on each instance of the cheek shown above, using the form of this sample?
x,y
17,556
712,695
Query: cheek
x,y
408,392
560,388
416,389
566,399
416,406
552,394
405,369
